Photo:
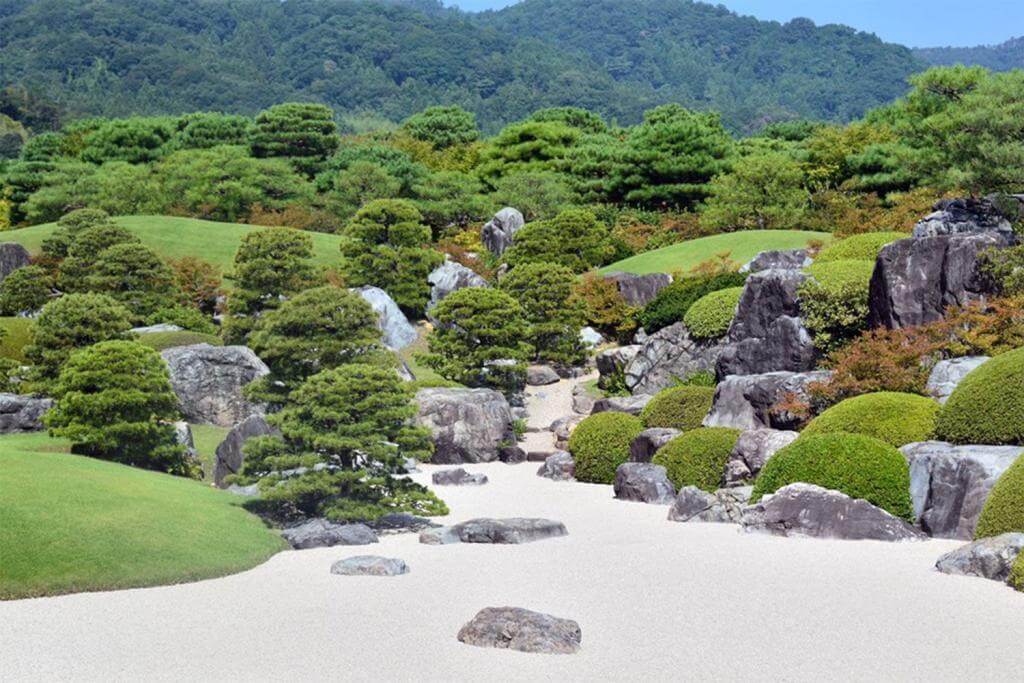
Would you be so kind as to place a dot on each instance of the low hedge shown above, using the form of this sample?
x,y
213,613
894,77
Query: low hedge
x,y
710,316
892,417
857,465
987,407
698,457
834,275
673,301
1004,507
1016,579
683,407
863,247
600,443
834,301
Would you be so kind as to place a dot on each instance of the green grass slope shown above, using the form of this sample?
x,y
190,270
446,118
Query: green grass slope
x,y
71,524
16,335
742,246
174,237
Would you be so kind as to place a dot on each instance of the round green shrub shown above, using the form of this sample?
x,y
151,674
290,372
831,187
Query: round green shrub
x,y
698,457
710,316
673,301
860,247
834,301
683,407
857,465
1016,579
892,417
601,443
168,340
1004,507
987,407
835,275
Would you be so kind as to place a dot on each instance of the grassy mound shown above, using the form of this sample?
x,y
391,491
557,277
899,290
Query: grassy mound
x,y
987,407
892,417
601,443
70,523
742,246
857,465
859,247
168,340
834,275
710,316
1004,507
17,333
698,457
678,408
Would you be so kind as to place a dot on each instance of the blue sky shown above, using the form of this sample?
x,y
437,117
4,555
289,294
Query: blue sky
x,y
917,23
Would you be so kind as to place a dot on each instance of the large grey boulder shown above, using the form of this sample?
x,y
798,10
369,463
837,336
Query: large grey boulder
x,y
457,477
639,290
541,375
563,427
321,533
666,357
468,425
949,484
514,628
988,558
916,279
611,363
12,257
767,333
229,454
370,565
397,331
558,466
752,450
724,506
644,483
964,215
582,400
208,381
947,374
647,443
786,259
633,405
809,510
513,530
22,413
498,233
752,401
450,277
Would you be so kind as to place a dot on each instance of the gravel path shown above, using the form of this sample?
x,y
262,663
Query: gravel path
x,y
544,405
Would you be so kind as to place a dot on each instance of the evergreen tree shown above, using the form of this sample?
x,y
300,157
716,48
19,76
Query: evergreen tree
x,y
134,276
26,290
762,192
573,238
442,127
303,132
553,316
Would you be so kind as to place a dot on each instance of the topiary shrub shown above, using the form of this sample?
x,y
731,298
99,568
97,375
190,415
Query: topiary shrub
x,y
682,407
1004,507
600,443
987,407
834,301
857,465
698,457
863,247
673,301
710,316
1016,579
895,418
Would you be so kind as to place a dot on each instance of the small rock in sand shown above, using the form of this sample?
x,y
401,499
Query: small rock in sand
x,y
512,530
559,466
515,628
370,565
458,477
321,533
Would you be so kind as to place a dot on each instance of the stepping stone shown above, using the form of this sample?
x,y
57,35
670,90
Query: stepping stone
x,y
321,533
458,477
514,628
503,531
370,565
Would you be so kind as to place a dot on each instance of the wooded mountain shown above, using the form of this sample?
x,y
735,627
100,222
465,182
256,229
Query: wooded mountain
x,y
1002,57
389,59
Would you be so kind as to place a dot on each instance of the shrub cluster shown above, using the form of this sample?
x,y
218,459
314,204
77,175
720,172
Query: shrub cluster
x,y
864,247
834,301
698,457
600,443
710,316
672,302
987,407
1016,579
1004,507
895,418
682,407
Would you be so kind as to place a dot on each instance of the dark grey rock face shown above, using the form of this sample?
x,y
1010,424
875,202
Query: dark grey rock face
x,y
397,332
321,533
947,374
468,425
751,452
751,401
808,510
370,565
989,558
949,484
667,356
22,413
512,530
644,483
724,506
563,427
916,279
639,290
498,234
229,455
451,277
12,257
632,405
767,333
611,363
787,259
582,401
649,441
514,628
541,375
458,477
558,466
511,455
208,381
963,215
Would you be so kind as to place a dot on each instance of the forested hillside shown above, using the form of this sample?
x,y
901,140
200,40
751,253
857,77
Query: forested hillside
x,y
373,60
1002,57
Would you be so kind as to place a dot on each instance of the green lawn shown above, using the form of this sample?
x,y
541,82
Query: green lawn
x,y
174,237
167,340
408,354
742,246
70,524
206,439
17,333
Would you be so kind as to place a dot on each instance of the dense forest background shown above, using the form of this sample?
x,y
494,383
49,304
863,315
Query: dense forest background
x,y
1002,57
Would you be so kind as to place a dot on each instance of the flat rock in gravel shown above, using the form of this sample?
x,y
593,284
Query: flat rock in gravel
x,y
322,533
514,628
989,558
644,483
458,477
696,505
512,530
541,375
559,466
370,565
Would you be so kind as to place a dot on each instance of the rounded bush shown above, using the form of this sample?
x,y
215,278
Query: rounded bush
x,y
892,417
698,457
837,275
673,301
857,465
1016,579
1004,507
682,407
987,407
710,316
863,247
600,443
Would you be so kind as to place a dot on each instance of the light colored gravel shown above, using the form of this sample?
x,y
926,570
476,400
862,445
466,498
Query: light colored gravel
x,y
544,405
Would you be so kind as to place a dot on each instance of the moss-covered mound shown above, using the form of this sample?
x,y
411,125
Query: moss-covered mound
x,y
857,465
1004,507
682,407
895,418
710,316
1016,579
601,443
987,407
859,247
168,340
835,276
698,457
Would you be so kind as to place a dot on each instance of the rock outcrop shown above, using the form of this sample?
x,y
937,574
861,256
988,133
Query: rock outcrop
x,y
666,357
498,233
611,363
639,290
644,483
563,427
514,628
965,215
457,477
468,425
752,450
947,374
988,558
12,257
229,454
649,441
208,381
634,405
753,401
397,332
724,506
513,530
451,277
370,565
321,533
558,466
22,413
787,259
